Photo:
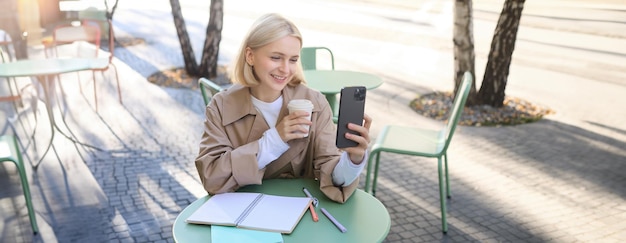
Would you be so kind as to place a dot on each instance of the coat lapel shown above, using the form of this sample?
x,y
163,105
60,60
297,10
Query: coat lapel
x,y
296,147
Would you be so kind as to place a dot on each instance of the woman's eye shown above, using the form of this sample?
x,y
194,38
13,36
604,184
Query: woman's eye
x,y
293,60
275,58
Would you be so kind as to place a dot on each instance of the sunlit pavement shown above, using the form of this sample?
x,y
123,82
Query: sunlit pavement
x,y
562,179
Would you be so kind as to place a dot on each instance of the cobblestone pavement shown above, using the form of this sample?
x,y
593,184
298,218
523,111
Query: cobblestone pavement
x,y
562,179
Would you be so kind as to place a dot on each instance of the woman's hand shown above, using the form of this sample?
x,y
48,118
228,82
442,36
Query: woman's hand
x,y
293,126
357,153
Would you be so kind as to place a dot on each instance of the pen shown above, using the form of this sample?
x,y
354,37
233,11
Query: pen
x,y
308,194
335,222
313,213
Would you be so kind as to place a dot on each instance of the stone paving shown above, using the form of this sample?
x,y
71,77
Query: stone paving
x,y
562,179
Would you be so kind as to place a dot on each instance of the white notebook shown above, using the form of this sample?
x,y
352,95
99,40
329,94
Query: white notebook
x,y
252,211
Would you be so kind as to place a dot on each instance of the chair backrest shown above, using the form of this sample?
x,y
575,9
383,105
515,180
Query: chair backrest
x,y
4,56
5,43
82,35
457,108
208,89
96,16
107,26
308,57
4,36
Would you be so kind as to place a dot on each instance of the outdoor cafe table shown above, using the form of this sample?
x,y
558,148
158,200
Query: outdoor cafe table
x,y
365,218
330,82
48,68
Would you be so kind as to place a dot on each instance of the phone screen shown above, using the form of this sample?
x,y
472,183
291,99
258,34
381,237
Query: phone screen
x,y
351,110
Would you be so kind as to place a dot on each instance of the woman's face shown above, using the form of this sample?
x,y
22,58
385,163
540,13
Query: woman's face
x,y
274,65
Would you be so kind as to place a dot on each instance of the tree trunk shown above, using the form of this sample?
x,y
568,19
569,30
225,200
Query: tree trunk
x,y
10,23
502,46
49,13
191,66
210,52
464,57
111,11
107,29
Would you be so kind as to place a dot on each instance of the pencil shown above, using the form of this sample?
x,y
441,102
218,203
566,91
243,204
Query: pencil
x,y
313,213
335,222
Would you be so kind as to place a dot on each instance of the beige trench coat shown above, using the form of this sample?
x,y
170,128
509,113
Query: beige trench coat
x,y
229,144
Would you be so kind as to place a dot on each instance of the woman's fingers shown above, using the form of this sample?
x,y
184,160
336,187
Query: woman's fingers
x,y
293,126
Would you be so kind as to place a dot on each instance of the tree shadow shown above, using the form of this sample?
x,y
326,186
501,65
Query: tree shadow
x,y
549,159
570,153
143,185
617,130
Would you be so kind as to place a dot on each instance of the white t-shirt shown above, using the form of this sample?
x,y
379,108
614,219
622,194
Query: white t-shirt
x,y
271,146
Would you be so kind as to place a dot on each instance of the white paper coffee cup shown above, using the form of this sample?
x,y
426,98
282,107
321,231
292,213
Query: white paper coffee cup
x,y
301,105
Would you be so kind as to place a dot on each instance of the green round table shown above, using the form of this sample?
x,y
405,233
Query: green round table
x,y
330,82
366,218
48,68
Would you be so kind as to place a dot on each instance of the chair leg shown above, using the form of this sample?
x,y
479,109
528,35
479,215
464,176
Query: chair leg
x,y
80,85
369,172
442,198
16,99
371,163
29,204
95,95
60,84
375,181
117,79
445,156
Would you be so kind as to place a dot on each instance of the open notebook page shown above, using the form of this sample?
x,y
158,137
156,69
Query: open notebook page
x,y
223,209
276,213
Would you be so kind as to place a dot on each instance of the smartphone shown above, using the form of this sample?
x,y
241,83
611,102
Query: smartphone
x,y
351,110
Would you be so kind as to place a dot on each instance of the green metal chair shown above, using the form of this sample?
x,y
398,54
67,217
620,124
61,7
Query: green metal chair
x,y
421,142
9,152
308,57
208,89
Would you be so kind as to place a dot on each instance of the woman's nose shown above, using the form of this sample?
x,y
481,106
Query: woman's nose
x,y
284,66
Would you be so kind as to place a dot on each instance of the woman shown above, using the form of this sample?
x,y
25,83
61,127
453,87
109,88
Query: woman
x,y
249,134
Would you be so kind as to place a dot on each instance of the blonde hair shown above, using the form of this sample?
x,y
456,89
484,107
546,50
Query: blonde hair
x,y
265,30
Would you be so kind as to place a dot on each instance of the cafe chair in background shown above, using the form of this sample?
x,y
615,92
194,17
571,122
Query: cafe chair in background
x,y
6,49
89,31
17,94
6,45
103,64
422,142
74,41
309,56
9,152
208,89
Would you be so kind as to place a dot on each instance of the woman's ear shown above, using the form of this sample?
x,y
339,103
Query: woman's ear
x,y
249,56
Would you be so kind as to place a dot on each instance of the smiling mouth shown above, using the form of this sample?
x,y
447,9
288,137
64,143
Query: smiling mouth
x,y
282,78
